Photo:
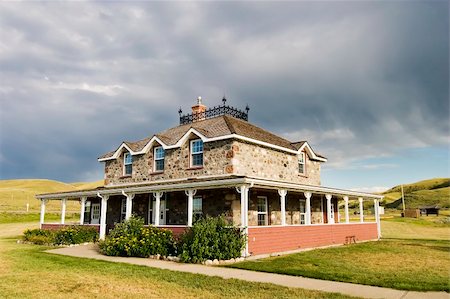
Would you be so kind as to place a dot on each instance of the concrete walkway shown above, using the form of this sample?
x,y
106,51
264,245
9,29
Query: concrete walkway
x,y
90,251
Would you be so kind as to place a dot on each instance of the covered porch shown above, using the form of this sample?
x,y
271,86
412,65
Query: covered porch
x,y
276,216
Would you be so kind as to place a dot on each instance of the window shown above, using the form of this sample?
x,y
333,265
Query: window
x,y
196,153
197,206
159,158
127,164
302,211
123,209
301,163
262,210
87,212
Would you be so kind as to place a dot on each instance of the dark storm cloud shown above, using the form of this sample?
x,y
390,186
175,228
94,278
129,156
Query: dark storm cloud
x,y
357,80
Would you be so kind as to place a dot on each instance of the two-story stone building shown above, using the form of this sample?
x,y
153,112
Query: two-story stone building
x,y
217,163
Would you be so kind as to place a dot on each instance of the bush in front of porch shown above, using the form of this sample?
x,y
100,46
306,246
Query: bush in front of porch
x,y
211,238
131,238
65,236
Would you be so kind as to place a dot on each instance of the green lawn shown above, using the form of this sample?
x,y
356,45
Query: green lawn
x,y
28,272
34,217
418,265
425,227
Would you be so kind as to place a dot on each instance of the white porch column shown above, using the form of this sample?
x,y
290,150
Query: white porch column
x,y
83,205
282,194
308,207
377,216
129,205
330,215
41,220
361,210
156,212
243,191
103,209
190,194
347,218
63,210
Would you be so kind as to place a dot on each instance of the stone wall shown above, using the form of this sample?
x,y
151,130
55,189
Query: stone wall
x,y
220,157
254,160
216,156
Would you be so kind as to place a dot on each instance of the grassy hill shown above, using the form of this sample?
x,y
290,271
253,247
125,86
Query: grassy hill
x,y
427,192
15,194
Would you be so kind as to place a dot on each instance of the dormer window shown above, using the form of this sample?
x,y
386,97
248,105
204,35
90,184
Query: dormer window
x,y
159,154
127,164
301,163
197,153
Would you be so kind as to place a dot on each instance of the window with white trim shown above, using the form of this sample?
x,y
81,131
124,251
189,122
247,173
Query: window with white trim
x,y
262,210
301,163
123,209
302,211
159,154
127,164
87,211
197,206
196,153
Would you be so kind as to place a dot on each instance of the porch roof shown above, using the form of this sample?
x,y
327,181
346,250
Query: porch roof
x,y
228,181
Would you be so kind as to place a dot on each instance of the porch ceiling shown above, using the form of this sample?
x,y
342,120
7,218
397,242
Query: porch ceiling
x,y
205,183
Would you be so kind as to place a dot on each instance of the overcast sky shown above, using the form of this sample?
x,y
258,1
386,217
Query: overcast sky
x,y
366,83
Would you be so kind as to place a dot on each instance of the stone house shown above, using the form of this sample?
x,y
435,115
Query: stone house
x,y
213,163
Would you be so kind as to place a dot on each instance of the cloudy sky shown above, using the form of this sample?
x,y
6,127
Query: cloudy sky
x,y
366,83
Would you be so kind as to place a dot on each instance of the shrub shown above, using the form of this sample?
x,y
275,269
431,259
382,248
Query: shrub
x,y
211,238
75,235
39,236
64,236
131,238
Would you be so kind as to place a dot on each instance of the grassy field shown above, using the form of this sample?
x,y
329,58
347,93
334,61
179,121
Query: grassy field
x,y
427,192
28,272
401,264
425,227
34,217
413,255
16,194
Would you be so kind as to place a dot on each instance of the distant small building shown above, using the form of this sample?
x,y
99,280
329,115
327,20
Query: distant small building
x,y
429,210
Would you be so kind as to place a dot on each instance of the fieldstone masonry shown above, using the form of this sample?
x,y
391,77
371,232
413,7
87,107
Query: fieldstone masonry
x,y
255,160
220,158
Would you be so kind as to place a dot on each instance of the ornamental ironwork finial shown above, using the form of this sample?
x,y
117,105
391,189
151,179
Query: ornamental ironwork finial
x,y
224,100
180,111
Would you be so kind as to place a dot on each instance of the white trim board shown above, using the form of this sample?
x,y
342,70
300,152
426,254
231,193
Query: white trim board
x,y
205,139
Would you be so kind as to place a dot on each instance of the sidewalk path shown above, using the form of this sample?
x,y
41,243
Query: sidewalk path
x,y
90,251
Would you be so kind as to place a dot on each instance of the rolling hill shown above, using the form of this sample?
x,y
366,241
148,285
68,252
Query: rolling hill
x,y
16,194
428,192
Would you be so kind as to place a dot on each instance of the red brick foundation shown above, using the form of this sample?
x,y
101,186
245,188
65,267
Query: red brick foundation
x,y
264,240
176,230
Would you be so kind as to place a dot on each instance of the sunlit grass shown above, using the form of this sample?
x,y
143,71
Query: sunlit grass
x,y
28,272
401,264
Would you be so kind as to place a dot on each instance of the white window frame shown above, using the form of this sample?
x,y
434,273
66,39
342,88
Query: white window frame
x,y
192,153
302,161
87,211
302,219
194,211
155,159
125,164
123,209
265,213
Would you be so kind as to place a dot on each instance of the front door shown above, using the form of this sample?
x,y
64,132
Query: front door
x,y
95,216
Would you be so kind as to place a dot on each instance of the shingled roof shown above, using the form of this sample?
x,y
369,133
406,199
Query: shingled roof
x,y
211,128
